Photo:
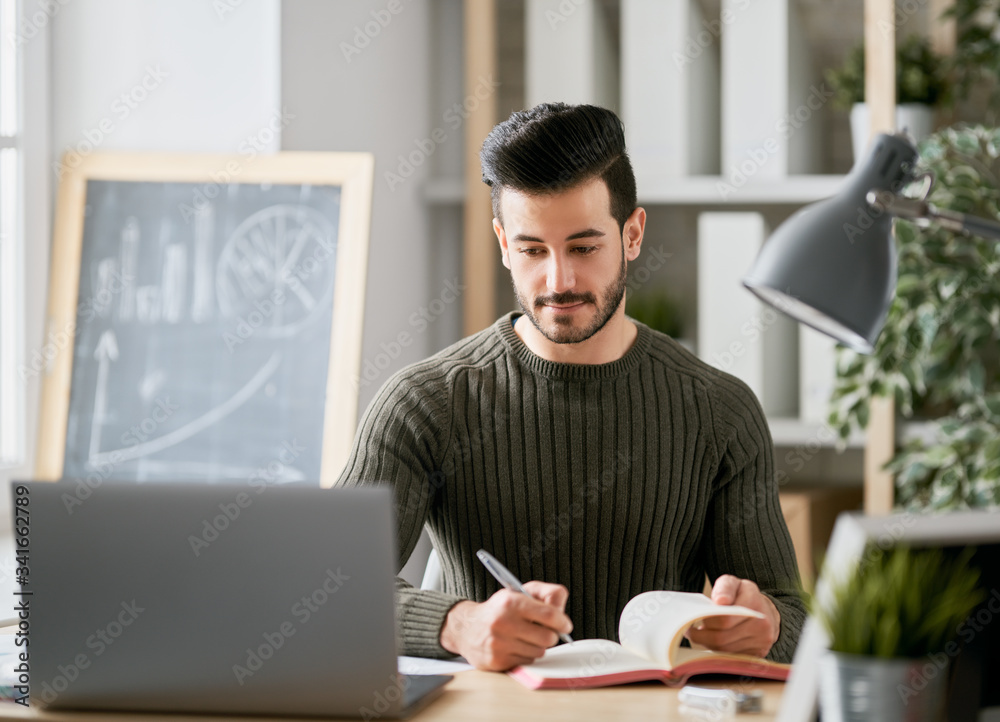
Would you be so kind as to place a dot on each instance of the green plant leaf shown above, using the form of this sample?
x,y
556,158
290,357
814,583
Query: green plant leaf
x,y
900,603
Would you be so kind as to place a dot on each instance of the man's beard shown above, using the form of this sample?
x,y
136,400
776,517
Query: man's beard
x,y
565,331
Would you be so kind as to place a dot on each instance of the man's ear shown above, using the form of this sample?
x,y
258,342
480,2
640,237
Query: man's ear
x,y
635,226
502,237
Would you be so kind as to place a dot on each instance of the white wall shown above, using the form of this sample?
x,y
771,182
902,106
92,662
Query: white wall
x,y
184,75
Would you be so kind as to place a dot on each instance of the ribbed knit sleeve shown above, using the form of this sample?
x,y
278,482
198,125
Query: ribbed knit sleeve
x,y
745,531
400,442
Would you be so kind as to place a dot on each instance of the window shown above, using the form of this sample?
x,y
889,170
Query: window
x,y
11,239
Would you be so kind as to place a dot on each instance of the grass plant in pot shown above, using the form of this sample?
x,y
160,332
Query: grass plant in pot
x,y
892,624
939,353
921,84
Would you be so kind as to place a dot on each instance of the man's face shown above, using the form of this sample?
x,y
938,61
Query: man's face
x,y
567,259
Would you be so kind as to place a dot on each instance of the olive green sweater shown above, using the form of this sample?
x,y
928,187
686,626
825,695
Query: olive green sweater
x,y
612,479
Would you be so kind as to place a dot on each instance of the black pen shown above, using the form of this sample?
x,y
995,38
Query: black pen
x,y
503,575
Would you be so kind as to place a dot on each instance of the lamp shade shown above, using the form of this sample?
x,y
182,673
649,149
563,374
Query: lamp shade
x,y
832,265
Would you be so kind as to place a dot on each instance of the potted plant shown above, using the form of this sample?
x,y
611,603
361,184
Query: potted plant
x,y
891,625
939,353
921,83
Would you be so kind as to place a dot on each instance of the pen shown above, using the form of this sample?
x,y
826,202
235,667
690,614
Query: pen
x,y
508,580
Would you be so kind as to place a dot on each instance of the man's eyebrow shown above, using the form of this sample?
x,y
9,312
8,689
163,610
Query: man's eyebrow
x,y
587,233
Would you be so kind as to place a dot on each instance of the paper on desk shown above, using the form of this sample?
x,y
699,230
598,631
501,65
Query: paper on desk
x,y
423,665
9,656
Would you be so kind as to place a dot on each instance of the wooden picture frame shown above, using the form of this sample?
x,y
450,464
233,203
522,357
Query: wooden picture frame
x,y
214,286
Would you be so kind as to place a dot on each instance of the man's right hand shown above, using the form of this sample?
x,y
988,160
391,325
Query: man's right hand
x,y
509,628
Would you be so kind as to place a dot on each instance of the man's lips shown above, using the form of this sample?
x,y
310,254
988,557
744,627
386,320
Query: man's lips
x,y
564,306
565,302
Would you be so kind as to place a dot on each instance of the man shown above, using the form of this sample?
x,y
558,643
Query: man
x,y
587,452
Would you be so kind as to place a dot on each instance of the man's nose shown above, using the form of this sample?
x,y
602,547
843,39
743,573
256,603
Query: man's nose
x,y
560,276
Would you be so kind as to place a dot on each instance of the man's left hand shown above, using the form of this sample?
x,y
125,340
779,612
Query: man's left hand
x,y
740,635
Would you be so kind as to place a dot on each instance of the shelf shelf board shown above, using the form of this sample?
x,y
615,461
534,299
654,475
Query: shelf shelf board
x,y
791,432
720,190
693,190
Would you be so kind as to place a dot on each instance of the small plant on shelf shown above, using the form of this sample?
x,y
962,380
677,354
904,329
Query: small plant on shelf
x,y
921,76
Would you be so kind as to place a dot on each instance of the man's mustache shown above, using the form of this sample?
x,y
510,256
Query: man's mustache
x,y
564,299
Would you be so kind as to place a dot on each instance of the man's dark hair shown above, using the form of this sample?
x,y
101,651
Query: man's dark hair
x,y
553,147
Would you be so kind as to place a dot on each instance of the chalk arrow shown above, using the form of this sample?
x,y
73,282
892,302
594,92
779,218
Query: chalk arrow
x,y
107,347
105,353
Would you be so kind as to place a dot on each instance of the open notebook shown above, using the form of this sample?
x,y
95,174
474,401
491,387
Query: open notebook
x,y
651,628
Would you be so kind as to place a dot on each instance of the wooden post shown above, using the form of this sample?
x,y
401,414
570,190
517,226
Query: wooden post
x,y
880,65
479,243
880,446
942,32
943,35
880,94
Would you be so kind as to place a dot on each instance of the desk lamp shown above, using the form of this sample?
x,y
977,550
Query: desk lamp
x,y
832,265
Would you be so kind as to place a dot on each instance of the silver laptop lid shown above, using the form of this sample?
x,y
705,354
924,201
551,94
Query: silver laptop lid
x,y
214,598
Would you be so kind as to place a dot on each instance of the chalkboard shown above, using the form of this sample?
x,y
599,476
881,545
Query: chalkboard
x,y
214,308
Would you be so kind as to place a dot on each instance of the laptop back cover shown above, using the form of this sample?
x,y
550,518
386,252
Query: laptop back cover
x,y
214,598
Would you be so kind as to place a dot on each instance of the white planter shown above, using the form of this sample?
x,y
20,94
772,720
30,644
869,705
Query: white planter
x,y
857,688
914,118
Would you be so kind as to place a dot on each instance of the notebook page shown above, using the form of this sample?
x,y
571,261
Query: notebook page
x,y
652,623
587,658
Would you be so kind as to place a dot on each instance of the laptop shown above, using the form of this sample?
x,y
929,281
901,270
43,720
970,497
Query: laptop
x,y
232,599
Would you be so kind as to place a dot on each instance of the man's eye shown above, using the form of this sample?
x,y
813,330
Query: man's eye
x,y
531,252
585,250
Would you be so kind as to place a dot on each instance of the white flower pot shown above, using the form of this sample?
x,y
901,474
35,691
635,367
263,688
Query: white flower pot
x,y
856,688
915,118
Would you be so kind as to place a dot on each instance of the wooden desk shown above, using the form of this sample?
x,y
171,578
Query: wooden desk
x,y
486,697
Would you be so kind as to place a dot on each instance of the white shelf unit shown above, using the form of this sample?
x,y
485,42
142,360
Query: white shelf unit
x,y
711,190
793,432
691,191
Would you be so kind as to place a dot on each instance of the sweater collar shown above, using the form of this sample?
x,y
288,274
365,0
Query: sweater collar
x,y
504,327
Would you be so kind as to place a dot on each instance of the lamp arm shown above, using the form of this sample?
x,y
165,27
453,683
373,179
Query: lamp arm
x,y
968,224
922,213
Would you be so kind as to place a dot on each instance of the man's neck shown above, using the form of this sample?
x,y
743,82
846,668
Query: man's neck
x,y
607,345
